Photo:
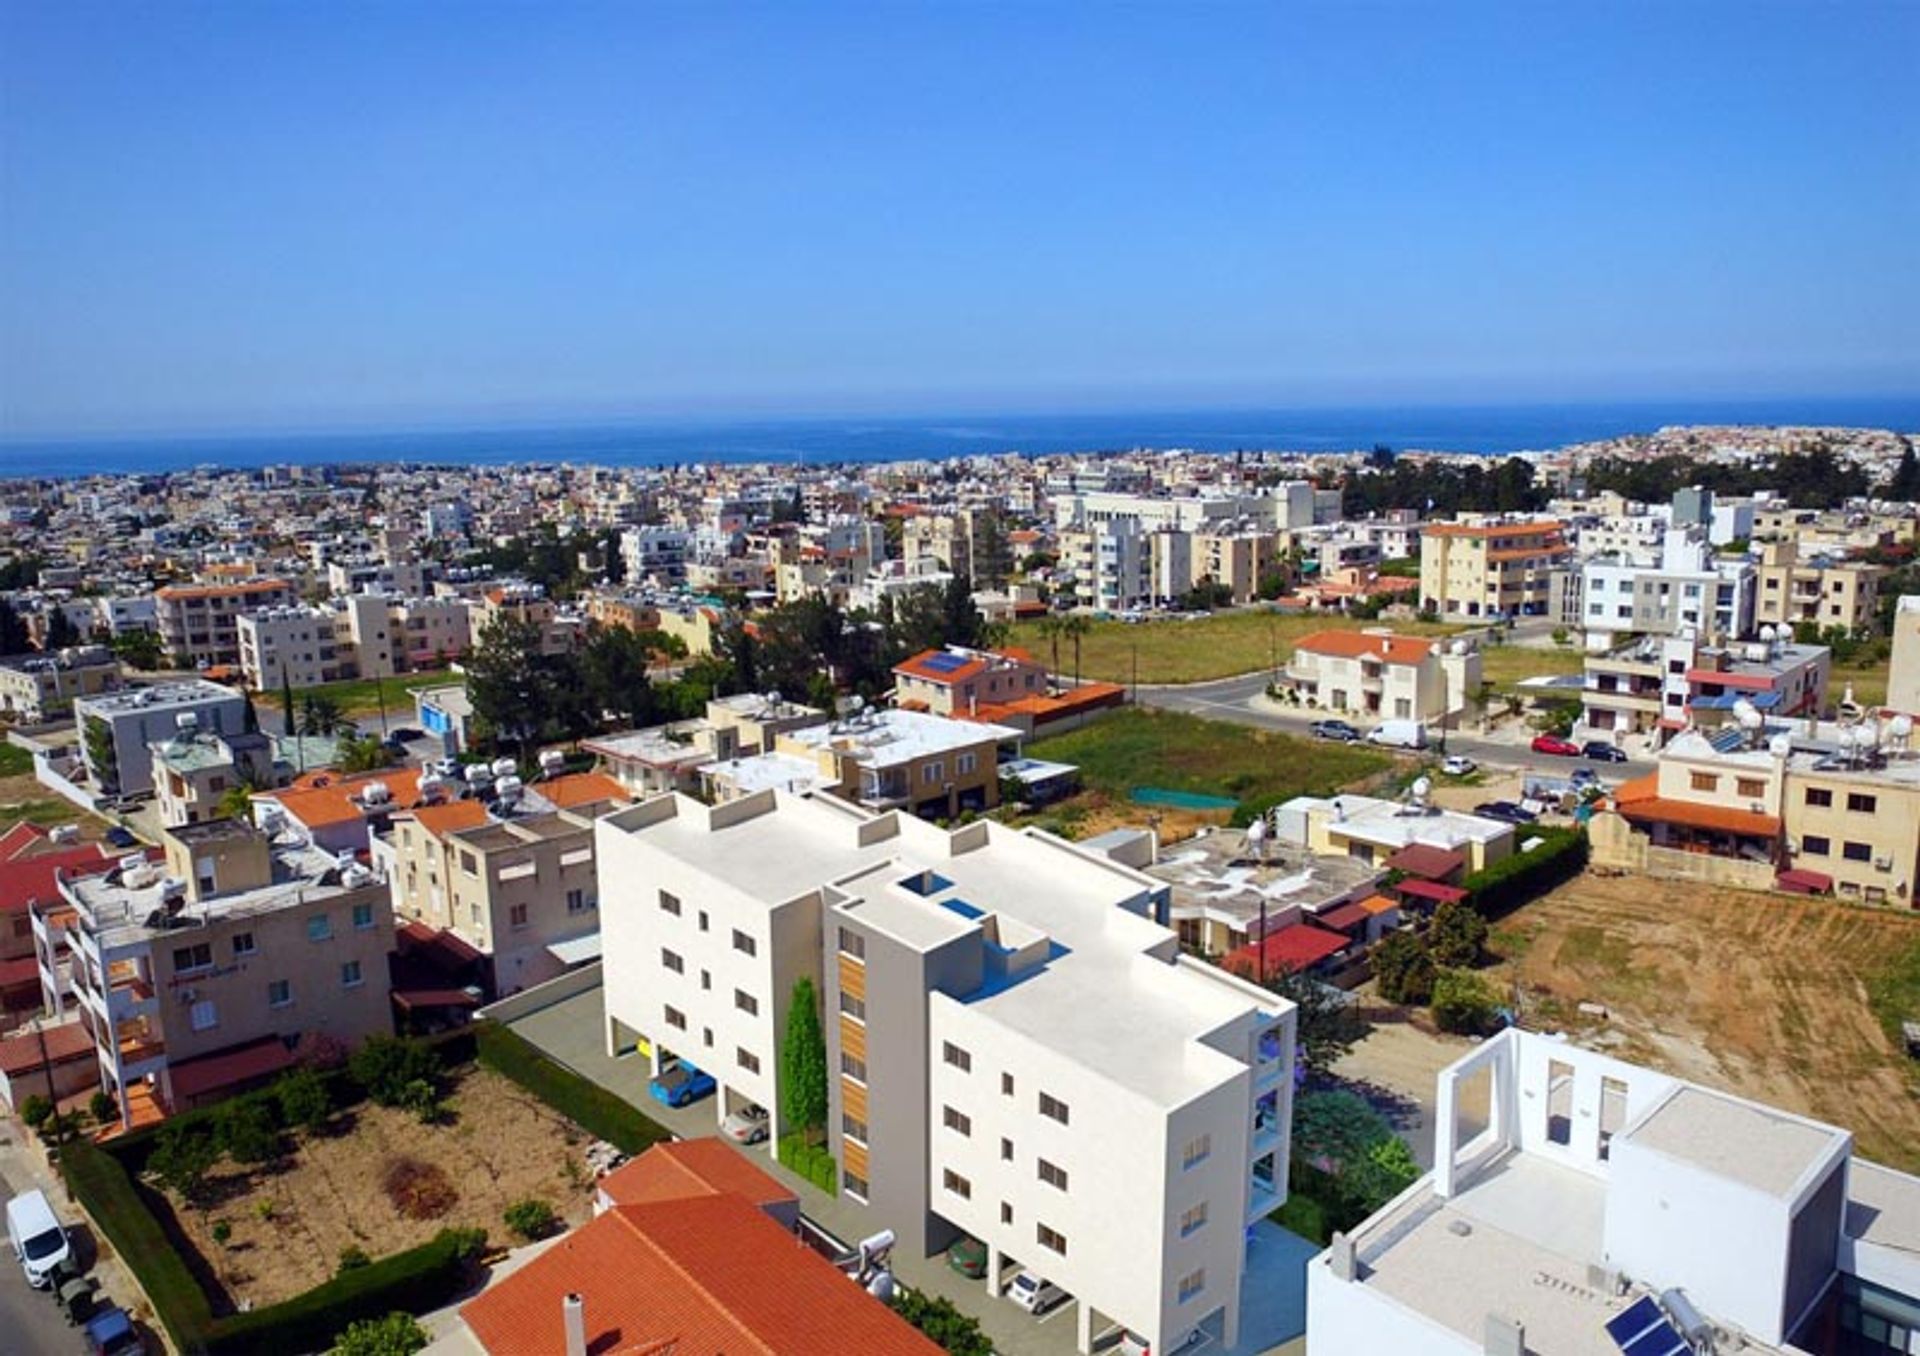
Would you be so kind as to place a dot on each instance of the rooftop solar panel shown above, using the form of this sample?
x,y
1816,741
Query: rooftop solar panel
x,y
1642,1330
944,663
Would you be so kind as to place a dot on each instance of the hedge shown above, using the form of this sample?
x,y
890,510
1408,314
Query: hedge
x,y
1525,876
811,1161
102,1183
590,1106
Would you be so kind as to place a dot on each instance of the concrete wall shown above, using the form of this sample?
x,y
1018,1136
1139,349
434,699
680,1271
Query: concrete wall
x,y
1348,1317
532,1000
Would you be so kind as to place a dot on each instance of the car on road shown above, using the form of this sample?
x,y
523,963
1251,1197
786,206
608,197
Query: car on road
x,y
1399,734
1583,777
1036,1294
747,1125
1599,751
1555,745
111,1333
39,1243
968,1256
121,838
1505,809
406,734
681,1084
1459,765
1335,729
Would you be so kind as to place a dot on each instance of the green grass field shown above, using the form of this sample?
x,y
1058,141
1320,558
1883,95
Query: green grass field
x,y
1223,645
1506,665
1140,747
361,696
15,761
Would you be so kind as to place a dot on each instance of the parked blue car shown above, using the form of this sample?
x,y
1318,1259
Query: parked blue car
x,y
680,1084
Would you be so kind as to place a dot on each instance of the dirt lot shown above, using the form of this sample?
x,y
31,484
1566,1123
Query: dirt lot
x,y
289,1227
1763,995
21,797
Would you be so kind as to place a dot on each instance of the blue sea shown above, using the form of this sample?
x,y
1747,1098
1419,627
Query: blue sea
x,y
1490,429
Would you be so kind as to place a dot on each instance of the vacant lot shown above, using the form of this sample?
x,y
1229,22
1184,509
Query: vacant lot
x,y
1506,665
1765,995
362,696
289,1226
1222,645
24,798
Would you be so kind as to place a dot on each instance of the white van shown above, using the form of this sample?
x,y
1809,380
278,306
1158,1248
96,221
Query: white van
x,y
1399,734
38,1240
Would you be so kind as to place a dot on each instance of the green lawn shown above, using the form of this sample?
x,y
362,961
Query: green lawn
x,y
361,696
1223,645
1869,683
15,761
1170,749
1505,665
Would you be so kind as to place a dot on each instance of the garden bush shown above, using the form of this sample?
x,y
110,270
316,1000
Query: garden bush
x,y
1525,876
1464,1003
388,1068
531,1219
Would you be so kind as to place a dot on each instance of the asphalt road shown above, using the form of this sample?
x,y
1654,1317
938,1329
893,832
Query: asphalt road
x,y
1232,699
30,1322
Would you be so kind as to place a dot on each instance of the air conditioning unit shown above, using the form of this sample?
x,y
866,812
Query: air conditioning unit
x,y
188,995
1883,863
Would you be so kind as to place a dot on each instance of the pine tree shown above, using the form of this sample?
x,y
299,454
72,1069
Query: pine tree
x,y
803,1062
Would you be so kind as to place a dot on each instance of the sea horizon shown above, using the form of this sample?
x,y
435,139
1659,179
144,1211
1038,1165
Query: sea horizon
x,y
1486,429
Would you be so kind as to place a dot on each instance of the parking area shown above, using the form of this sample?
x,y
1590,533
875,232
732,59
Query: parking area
x,y
1273,1295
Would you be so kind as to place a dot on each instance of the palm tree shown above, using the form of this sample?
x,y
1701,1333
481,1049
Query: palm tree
x,y
1075,626
319,715
1051,626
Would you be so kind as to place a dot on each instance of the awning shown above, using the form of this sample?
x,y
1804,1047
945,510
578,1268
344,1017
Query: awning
x,y
1694,815
454,948
1423,859
412,999
1805,882
576,950
1345,917
1431,889
209,1073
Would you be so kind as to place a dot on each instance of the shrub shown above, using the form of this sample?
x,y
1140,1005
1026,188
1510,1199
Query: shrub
x,y
1403,968
247,1133
102,1107
1458,934
1463,1002
418,1189
182,1158
395,1335
101,1183
943,1323
387,1067
222,1231
304,1099
1360,1163
1513,881
531,1219
35,1111
352,1258
592,1107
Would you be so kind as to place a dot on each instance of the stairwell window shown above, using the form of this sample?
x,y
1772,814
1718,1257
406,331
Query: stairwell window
x,y
853,944
855,1008
1192,1284
1193,1220
1198,1150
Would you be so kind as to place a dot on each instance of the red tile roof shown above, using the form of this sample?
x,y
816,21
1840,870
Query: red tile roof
x,y
1354,644
22,836
20,1052
917,667
1431,889
582,788
192,1077
1424,859
452,815
706,1276
692,1167
1291,948
1694,815
1344,917
322,798
30,880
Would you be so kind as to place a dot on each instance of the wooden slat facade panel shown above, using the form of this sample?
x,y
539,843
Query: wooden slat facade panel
x,y
853,1157
853,976
853,1038
853,1098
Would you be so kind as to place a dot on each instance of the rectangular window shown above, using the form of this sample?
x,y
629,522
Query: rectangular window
x,y
1193,1220
1053,1107
517,916
853,1127
746,1002
1053,1176
205,1016
853,944
1858,852
855,1184
362,916
469,864
1813,845
1006,1085
1192,1284
1705,781
671,959
669,903
1862,804
853,1066
350,975
957,1057
1197,1152
577,901
1050,1239
676,1019
1006,1151
956,1121
744,943
279,993
964,763
196,957
243,943
747,1060
319,928
1819,796
854,1007
1750,788
1006,1213
957,1184
931,773
703,920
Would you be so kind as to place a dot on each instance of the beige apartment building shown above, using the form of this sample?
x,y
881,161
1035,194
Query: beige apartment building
x,y
1818,591
211,973
1903,673
199,623
194,773
34,687
1490,569
1235,559
365,636
1374,673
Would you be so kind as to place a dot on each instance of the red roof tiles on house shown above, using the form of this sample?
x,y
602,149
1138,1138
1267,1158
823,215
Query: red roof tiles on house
x,y
582,788
1356,644
1291,948
692,1167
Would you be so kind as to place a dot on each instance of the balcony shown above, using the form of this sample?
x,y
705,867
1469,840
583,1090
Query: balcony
x,y
141,1048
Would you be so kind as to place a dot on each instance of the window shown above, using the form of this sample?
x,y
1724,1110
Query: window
x,y
855,1184
1006,1151
1053,1107
957,1184
279,993
854,1007
1705,781
319,928
1813,845
746,1002
931,773
1192,1284
577,901
1052,1176
517,916
676,1018
350,975
670,903
853,1066
671,959
205,1015
964,763
706,979
1819,796
706,1036
746,1060
196,957
469,864
853,1127
1857,852
957,1057
1196,1152
1049,1238
1862,804
744,943
1006,1085
242,944
1006,1213
362,916
703,920
1750,788
1193,1220
956,1121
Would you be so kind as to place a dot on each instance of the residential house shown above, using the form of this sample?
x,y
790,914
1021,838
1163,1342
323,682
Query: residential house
x,y
37,687
1820,591
1374,673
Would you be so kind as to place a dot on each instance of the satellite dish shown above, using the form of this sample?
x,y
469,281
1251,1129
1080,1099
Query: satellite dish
x,y
773,698
1257,831
1901,727
1780,745
1422,788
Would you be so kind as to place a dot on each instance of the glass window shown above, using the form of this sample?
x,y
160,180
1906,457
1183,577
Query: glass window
x,y
853,1127
1862,804
853,1066
1750,788
853,1007
1705,781
1192,1284
279,993
205,1016
676,1019
363,916
1193,1219
577,901
1053,1176
1053,1107
671,959
746,1002
742,942
517,916
957,1057
195,957
1050,1238
319,928
243,943
957,1184
958,1122
1813,845
747,1060
855,1184
1858,852
350,975
1196,1152
1819,796
853,944
670,903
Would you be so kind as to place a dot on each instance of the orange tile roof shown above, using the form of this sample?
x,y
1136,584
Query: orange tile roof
x,y
1355,644
1489,530
1049,706
1379,904
322,798
708,1276
692,1167
1695,815
450,815
582,788
917,667
173,591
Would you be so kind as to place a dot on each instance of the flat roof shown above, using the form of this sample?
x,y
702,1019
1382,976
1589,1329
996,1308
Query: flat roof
x,y
1389,823
768,772
1757,1146
1219,874
889,737
1883,1206
193,692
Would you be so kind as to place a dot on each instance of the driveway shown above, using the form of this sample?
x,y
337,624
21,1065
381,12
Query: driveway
x,y
29,1318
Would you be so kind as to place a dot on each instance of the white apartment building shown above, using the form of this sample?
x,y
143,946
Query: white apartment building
x,y
1685,590
658,553
366,636
1606,1208
1018,1050
1111,564
118,729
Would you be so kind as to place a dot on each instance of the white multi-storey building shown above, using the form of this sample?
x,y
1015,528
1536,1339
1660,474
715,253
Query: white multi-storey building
x,y
1019,1050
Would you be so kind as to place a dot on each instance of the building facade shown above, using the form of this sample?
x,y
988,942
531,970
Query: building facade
x,y
199,623
1490,569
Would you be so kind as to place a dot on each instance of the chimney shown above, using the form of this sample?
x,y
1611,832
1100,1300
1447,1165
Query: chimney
x,y
574,1310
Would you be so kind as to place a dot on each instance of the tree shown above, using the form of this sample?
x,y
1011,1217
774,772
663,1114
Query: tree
x,y
320,714
531,1219
398,1334
61,632
1464,1002
943,1323
13,631
246,1132
1457,936
1904,483
803,1062
363,753
182,1158
140,648
613,672
1403,968
304,1099
508,683
387,1067
1326,1024
103,758
1075,627
286,699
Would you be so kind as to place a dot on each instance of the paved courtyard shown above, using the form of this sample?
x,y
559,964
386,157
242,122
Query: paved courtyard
x,y
1273,1296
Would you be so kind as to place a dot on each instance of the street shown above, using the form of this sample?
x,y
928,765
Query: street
x,y
1234,699
30,1322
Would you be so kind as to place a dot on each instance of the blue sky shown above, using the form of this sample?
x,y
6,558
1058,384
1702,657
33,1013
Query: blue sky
x,y
280,215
